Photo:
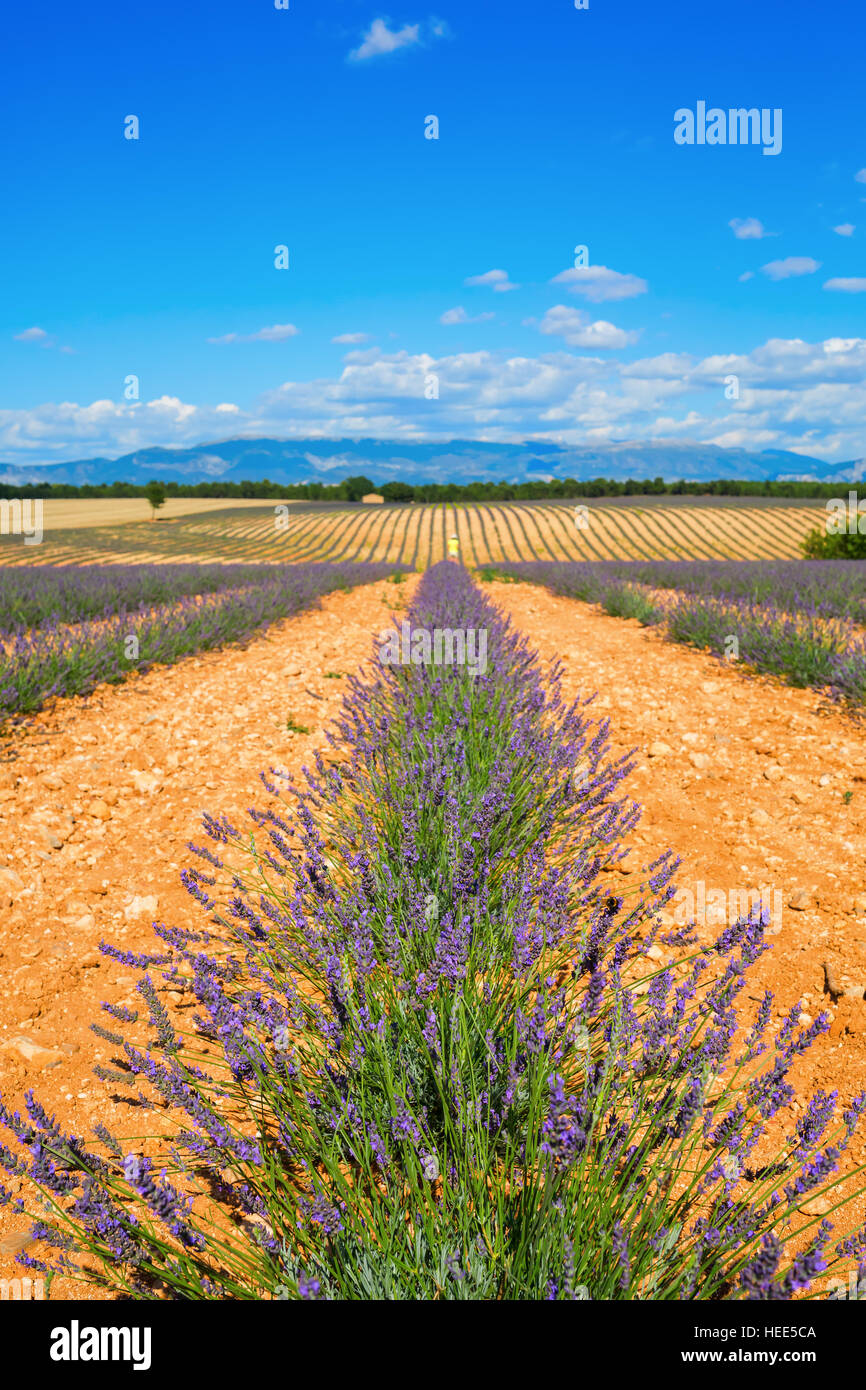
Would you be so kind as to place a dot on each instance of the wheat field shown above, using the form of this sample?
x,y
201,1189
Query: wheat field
x,y
415,535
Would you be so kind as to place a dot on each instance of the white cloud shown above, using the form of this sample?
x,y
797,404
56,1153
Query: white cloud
x,y
844,229
748,229
578,330
39,335
498,279
791,265
746,275
597,283
459,315
351,338
809,397
380,39
32,335
861,176
856,285
277,333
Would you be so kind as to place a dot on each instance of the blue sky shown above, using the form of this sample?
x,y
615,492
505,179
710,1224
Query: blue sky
x,y
305,127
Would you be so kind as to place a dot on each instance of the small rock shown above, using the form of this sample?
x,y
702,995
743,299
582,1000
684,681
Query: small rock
x,y
654,952
699,760
800,901
15,1243
29,1050
139,907
99,810
800,797
814,1206
94,885
804,1020
760,817
146,782
659,750
111,797
860,904
774,772
709,687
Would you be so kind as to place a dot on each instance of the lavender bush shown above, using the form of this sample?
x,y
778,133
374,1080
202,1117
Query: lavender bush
x,y
830,588
38,594
430,1058
793,619
57,659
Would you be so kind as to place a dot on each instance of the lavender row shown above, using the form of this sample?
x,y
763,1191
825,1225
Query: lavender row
x,y
799,621
59,660
831,588
53,594
429,1057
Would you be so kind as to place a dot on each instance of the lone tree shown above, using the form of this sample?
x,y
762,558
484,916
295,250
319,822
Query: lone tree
x,y
155,494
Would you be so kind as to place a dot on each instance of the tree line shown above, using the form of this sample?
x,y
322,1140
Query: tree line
x,y
353,489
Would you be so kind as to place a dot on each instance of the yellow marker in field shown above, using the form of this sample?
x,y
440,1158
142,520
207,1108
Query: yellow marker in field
x,y
453,548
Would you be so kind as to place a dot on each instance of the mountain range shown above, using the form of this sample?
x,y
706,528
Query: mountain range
x,y
457,461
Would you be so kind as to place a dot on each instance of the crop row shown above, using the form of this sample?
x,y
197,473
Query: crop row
x,y
416,536
60,659
801,621
71,593
430,1057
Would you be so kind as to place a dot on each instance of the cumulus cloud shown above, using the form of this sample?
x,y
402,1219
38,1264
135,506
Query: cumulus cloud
x,y
597,283
351,338
380,39
459,315
578,330
277,333
861,176
40,336
790,266
855,285
497,279
844,229
802,396
748,229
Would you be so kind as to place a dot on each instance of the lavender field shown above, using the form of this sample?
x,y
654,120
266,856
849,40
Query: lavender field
x,y
802,621
417,996
74,627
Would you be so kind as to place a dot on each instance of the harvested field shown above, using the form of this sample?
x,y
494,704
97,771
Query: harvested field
x,y
415,535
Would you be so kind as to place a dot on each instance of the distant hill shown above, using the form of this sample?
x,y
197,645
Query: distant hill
x,y
457,461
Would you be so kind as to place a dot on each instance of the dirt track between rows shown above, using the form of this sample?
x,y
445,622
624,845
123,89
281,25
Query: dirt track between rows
x,y
98,799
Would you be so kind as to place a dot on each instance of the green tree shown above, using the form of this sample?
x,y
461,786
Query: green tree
x,y
398,492
155,494
356,488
